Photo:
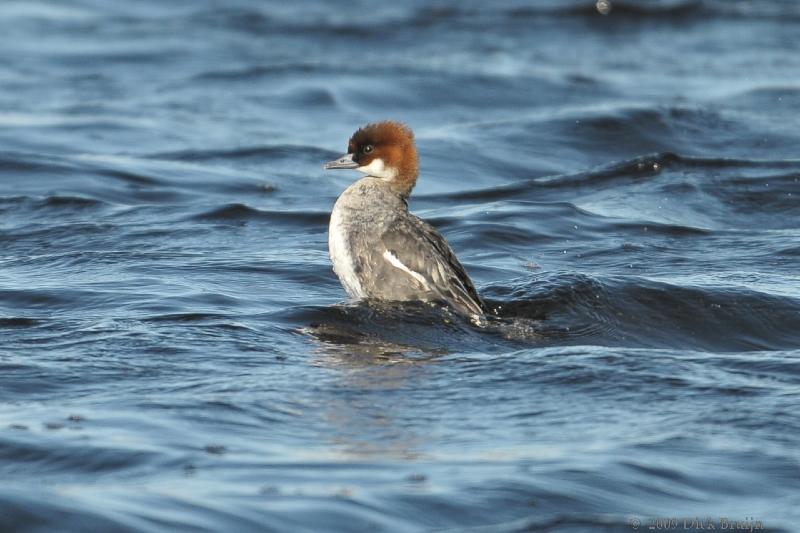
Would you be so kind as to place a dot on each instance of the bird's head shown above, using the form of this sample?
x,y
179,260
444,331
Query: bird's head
x,y
383,150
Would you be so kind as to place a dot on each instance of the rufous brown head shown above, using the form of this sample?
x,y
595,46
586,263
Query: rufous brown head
x,y
383,150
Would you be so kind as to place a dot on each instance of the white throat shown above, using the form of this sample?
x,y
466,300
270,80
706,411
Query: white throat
x,y
379,170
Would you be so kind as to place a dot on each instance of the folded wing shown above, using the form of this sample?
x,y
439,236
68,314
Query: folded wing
x,y
418,249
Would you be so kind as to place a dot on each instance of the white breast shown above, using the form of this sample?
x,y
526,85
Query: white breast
x,y
341,254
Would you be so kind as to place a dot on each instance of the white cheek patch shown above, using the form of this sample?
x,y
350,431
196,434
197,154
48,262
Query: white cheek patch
x,y
395,262
378,169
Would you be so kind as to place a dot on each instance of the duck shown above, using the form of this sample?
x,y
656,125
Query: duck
x,y
381,251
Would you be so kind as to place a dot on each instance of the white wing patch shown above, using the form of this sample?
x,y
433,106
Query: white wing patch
x,y
395,262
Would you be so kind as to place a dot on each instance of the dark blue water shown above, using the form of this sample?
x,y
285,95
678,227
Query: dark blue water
x,y
177,354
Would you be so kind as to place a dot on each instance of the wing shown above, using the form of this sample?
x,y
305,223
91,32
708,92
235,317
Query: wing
x,y
419,249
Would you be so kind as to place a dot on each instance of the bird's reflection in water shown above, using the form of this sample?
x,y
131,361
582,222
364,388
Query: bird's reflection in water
x,y
372,402
383,361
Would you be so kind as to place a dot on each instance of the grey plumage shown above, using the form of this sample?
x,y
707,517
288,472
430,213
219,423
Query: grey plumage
x,y
380,250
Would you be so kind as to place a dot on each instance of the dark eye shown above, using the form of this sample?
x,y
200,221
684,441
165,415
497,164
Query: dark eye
x,y
367,148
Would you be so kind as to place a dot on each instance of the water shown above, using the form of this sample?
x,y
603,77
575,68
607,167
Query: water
x,y
177,353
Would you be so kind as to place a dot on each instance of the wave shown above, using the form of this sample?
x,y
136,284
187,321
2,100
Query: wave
x,y
240,213
567,309
23,509
20,322
256,72
639,312
691,195
57,204
377,21
670,10
258,153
